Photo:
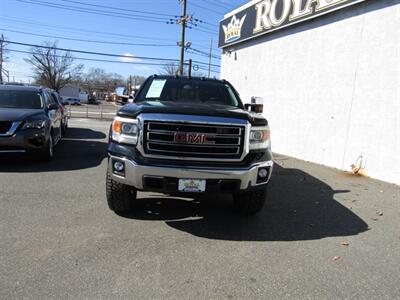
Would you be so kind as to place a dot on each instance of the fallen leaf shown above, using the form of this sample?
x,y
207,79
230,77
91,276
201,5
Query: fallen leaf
x,y
374,219
345,243
379,213
335,258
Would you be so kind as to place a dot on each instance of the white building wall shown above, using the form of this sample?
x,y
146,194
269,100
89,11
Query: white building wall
x,y
330,87
69,91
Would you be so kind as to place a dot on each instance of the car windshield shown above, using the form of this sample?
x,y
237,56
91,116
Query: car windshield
x,y
20,99
189,91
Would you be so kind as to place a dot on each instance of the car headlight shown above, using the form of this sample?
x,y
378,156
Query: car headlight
x,y
35,124
125,130
260,138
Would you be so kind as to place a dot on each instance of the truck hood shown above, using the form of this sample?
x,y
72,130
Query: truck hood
x,y
212,110
18,114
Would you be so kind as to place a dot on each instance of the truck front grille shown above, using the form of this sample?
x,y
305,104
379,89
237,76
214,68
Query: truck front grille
x,y
192,140
5,126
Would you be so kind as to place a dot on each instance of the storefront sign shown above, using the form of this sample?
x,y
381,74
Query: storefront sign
x,y
269,15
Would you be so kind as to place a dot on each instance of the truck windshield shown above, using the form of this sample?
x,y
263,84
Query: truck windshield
x,y
189,91
20,99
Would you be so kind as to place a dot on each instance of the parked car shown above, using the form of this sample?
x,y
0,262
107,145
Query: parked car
x,y
30,121
108,98
64,112
189,136
92,100
71,101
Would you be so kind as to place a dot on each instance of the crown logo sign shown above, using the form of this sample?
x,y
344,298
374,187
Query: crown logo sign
x,y
234,29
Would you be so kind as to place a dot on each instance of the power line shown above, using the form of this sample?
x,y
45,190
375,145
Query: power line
x,y
98,60
206,69
30,22
203,53
104,13
94,11
202,30
206,64
101,53
108,42
122,62
217,4
207,9
89,41
151,13
91,52
200,55
82,31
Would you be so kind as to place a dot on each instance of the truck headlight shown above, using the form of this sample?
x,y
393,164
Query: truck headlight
x,y
35,124
260,138
125,130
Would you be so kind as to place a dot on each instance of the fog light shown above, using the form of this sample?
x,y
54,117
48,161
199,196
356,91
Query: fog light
x,y
262,173
119,166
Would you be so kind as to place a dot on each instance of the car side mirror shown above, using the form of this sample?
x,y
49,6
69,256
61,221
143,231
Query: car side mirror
x,y
52,106
256,105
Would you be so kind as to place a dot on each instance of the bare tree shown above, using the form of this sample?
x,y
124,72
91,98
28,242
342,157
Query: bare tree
x,y
137,79
97,79
170,69
173,69
53,68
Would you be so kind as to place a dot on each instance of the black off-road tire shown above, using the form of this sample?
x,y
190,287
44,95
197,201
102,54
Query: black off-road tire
x,y
120,197
251,202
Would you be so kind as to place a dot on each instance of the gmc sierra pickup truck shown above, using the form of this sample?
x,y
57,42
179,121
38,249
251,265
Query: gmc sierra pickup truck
x,y
189,135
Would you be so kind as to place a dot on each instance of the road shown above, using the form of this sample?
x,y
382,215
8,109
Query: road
x,y
59,240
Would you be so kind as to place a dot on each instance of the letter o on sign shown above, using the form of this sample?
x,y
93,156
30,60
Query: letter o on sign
x,y
285,12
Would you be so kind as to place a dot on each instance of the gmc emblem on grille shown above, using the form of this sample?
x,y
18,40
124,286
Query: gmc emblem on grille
x,y
193,138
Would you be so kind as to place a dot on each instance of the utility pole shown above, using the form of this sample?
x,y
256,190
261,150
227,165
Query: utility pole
x,y
209,58
183,23
1,58
190,68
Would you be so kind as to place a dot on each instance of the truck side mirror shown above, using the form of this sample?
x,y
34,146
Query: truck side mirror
x,y
256,105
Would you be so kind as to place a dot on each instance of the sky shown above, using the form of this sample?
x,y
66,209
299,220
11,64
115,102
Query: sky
x,y
112,26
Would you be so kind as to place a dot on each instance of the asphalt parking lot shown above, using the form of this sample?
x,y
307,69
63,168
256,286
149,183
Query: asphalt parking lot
x,y
323,235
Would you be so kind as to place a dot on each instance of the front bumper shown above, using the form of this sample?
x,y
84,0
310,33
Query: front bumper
x,y
28,140
136,175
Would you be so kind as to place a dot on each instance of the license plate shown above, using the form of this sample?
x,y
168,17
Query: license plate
x,y
192,185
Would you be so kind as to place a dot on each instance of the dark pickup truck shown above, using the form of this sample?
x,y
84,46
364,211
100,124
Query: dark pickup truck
x,y
185,136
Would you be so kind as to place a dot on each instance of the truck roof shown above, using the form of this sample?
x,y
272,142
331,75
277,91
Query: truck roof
x,y
187,77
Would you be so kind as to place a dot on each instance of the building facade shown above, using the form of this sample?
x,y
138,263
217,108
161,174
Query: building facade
x,y
329,73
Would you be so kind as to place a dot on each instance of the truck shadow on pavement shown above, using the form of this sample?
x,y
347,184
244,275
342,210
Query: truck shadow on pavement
x,y
300,207
81,148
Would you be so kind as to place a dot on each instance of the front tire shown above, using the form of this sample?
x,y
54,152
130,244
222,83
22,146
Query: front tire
x,y
48,153
251,202
120,197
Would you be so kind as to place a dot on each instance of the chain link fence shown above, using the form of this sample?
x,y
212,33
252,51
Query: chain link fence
x,y
102,111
